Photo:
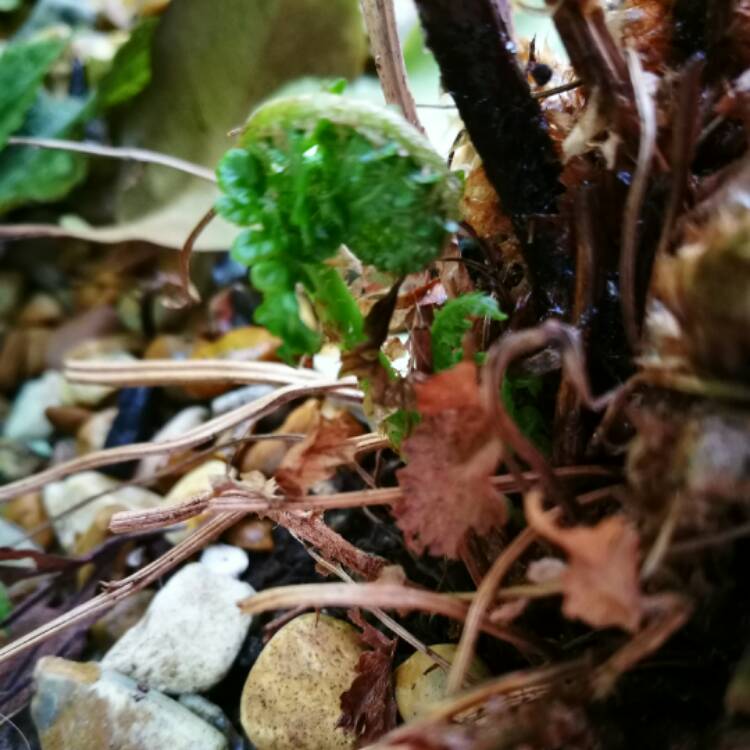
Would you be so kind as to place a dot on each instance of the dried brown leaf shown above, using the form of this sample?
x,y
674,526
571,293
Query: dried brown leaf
x,y
600,584
319,455
369,706
451,457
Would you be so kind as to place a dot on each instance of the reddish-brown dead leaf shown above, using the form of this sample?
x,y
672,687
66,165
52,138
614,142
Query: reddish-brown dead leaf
x,y
600,584
319,455
368,707
451,456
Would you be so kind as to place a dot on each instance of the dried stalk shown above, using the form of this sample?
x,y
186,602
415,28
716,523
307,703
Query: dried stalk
x,y
367,596
380,21
112,152
250,501
182,372
120,590
486,594
253,411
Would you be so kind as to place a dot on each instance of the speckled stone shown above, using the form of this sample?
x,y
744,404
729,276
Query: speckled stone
x,y
291,699
85,707
190,635
420,683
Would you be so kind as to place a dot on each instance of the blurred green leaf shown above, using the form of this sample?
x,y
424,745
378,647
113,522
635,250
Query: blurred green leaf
x,y
8,5
33,174
130,71
23,66
452,321
5,603
521,396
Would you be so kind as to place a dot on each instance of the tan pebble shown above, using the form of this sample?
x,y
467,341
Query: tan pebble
x,y
27,511
253,535
168,347
67,419
291,699
266,455
421,683
92,434
196,482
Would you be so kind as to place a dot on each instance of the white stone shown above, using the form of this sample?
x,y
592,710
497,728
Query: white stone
x,y
225,560
190,635
59,497
26,420
84,707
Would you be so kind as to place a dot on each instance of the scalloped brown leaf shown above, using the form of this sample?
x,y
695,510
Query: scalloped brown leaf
x,y
368,707
600,584
451,457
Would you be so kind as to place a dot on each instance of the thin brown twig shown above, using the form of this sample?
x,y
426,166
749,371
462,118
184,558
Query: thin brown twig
x,y
189,292
119,590
118,152
380,21
253,411
480,605
367,596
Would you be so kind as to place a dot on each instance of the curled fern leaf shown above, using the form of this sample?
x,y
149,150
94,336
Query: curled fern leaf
x,y
312,173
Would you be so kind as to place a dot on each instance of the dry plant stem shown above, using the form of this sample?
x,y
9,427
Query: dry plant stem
x,y
512,346
636,196
250,501
183,372
126,154
395,627
369,595
313,530
253,411
512,686
189,292
31,231
480,605
380,21
124,588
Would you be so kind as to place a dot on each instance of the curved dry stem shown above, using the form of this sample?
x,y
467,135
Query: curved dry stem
x,y
115,152
512,346
122,589
188,291
253,411
367,596
485,596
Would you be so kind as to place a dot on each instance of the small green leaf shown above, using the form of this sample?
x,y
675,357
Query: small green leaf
x,y
451,323
335,304
130,71
23,66
279,313
32,174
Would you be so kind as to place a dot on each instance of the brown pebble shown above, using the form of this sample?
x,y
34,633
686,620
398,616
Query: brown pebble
x,y
253,535
27,511
67,419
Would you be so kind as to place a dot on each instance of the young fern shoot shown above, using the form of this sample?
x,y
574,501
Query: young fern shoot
x,y
313,173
